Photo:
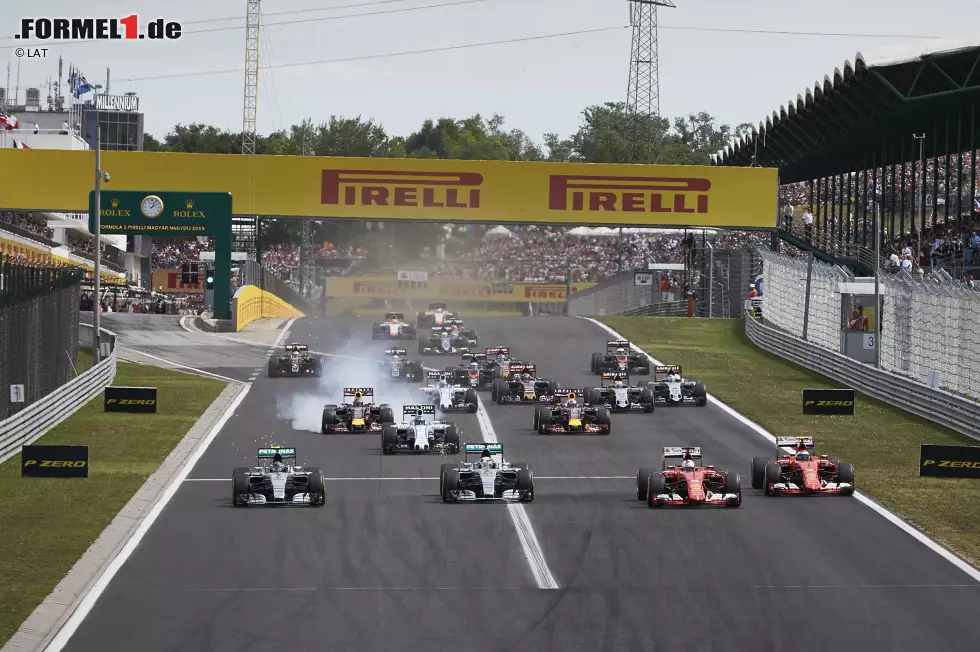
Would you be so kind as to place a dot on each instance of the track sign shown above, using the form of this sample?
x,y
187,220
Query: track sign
x,y
17,393
828,401
54,462
141,400
642,279
949,461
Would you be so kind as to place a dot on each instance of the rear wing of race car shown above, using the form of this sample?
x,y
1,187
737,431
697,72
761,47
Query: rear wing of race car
x,y
609,377
497,350
394,315
269,453
793,443
678,453
478,358
391,352
297,347
661,371
477,449
437,306
612,345
359,392
434,374
520,367
422,409
565,393
455,321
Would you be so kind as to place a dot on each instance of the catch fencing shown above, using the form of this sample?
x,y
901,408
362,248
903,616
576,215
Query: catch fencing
x,y
930,327
252,273
38,332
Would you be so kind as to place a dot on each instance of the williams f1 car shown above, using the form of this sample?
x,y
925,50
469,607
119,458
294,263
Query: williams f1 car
x,y
296,361
620,358
802,471
522,387
277,479
671,388
571,416
436,315
357,414
484,475
617,395
684,480
417,434
447,396
396,365
394,327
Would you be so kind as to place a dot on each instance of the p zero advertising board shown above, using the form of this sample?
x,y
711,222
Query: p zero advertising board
x,y
937,461
828,401
409,189
54,462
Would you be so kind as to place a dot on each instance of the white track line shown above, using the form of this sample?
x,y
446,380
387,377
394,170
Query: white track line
x,y
893,518
525,532
537,477
177,365
66,632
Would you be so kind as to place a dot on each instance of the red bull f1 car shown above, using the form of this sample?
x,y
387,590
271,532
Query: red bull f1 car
x,y
277,479
296,360
394,327
571,416
617,395
685,480
671,388
619,357
797,469
358,414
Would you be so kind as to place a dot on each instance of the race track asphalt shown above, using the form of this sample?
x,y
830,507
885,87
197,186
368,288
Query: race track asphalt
x,y
386,566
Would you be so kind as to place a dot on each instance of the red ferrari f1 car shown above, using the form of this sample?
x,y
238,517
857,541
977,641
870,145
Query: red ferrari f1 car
x,y
801,472
687,483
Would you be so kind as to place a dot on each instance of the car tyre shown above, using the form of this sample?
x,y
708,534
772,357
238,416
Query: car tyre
x,y
452,439
450,483
239,486
273,367
700,394
597,359
845,473
315,488
733,485
329,418
387,414
758,472
389,439
656,486
602,418
642,483
773,474
525,485
544,420
646,400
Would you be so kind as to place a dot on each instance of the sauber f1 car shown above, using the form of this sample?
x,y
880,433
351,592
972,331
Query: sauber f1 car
x,y
396,365
448,397
484,475
458,331
620,358
277,479
801,471
419,434
394,327
359,414
617,395
684,480
522,387
436,315
295,361
571,416
671,388
443,342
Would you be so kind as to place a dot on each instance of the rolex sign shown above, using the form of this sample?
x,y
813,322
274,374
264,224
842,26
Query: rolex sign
x,y
117,103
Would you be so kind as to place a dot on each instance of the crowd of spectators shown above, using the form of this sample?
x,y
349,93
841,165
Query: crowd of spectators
x,y
28,222
171,254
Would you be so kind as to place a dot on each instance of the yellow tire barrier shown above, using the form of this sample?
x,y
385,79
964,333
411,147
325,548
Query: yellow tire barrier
x,y
251,303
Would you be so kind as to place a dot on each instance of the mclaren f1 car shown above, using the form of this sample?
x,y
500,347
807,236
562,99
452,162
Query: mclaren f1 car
x,y
621,358
683,479
277,479
797,469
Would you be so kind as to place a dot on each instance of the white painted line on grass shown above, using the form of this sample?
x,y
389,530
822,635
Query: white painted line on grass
x,y
890,516
525,532
66,632
179,366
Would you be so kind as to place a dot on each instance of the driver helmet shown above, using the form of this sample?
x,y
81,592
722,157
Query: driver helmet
x,y
620,352
619,383
526,377
474,366
419,420
443,383
803,455
358,402
501,358
671,377
445,333
277,463
395,357
688,465
571,400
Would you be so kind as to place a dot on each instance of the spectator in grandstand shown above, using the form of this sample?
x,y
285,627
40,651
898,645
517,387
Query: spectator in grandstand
x,y
788,217
807,225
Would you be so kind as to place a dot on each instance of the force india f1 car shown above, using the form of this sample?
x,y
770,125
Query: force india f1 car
x,y
436,315
688,483
619,357
357,414
416,434
801,472
397,366
487,478
276,479
295,361
671,388
523,387
617,395
571,416
394,327
447,396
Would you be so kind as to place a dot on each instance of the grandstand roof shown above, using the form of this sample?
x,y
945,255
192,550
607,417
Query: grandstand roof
x,y
836,125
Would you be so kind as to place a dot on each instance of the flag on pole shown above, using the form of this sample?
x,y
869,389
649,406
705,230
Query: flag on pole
x,y
77,83
19,144
7,122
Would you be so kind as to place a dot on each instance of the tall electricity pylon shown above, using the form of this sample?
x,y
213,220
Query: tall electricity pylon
x,y
643,92
251,76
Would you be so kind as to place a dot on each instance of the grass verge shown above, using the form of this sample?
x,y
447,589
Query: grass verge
x,y
880,440
48,523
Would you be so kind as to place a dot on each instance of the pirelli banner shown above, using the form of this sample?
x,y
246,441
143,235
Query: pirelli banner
x,y
390,287
491,192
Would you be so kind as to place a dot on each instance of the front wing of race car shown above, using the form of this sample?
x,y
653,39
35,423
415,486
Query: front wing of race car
x,y
570,427
501,487
435,347
527,398
715,499
354,425
790,488
268,490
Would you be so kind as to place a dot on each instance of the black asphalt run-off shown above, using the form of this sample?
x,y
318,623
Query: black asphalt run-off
x,y
385,565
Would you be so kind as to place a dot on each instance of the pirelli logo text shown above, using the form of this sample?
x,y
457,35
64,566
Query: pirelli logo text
x,y
395,188
628,194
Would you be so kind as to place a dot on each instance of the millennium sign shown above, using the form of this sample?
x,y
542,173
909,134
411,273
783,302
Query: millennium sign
x,y
117,103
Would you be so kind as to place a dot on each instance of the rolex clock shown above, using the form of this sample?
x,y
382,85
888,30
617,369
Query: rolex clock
x,y
151,206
